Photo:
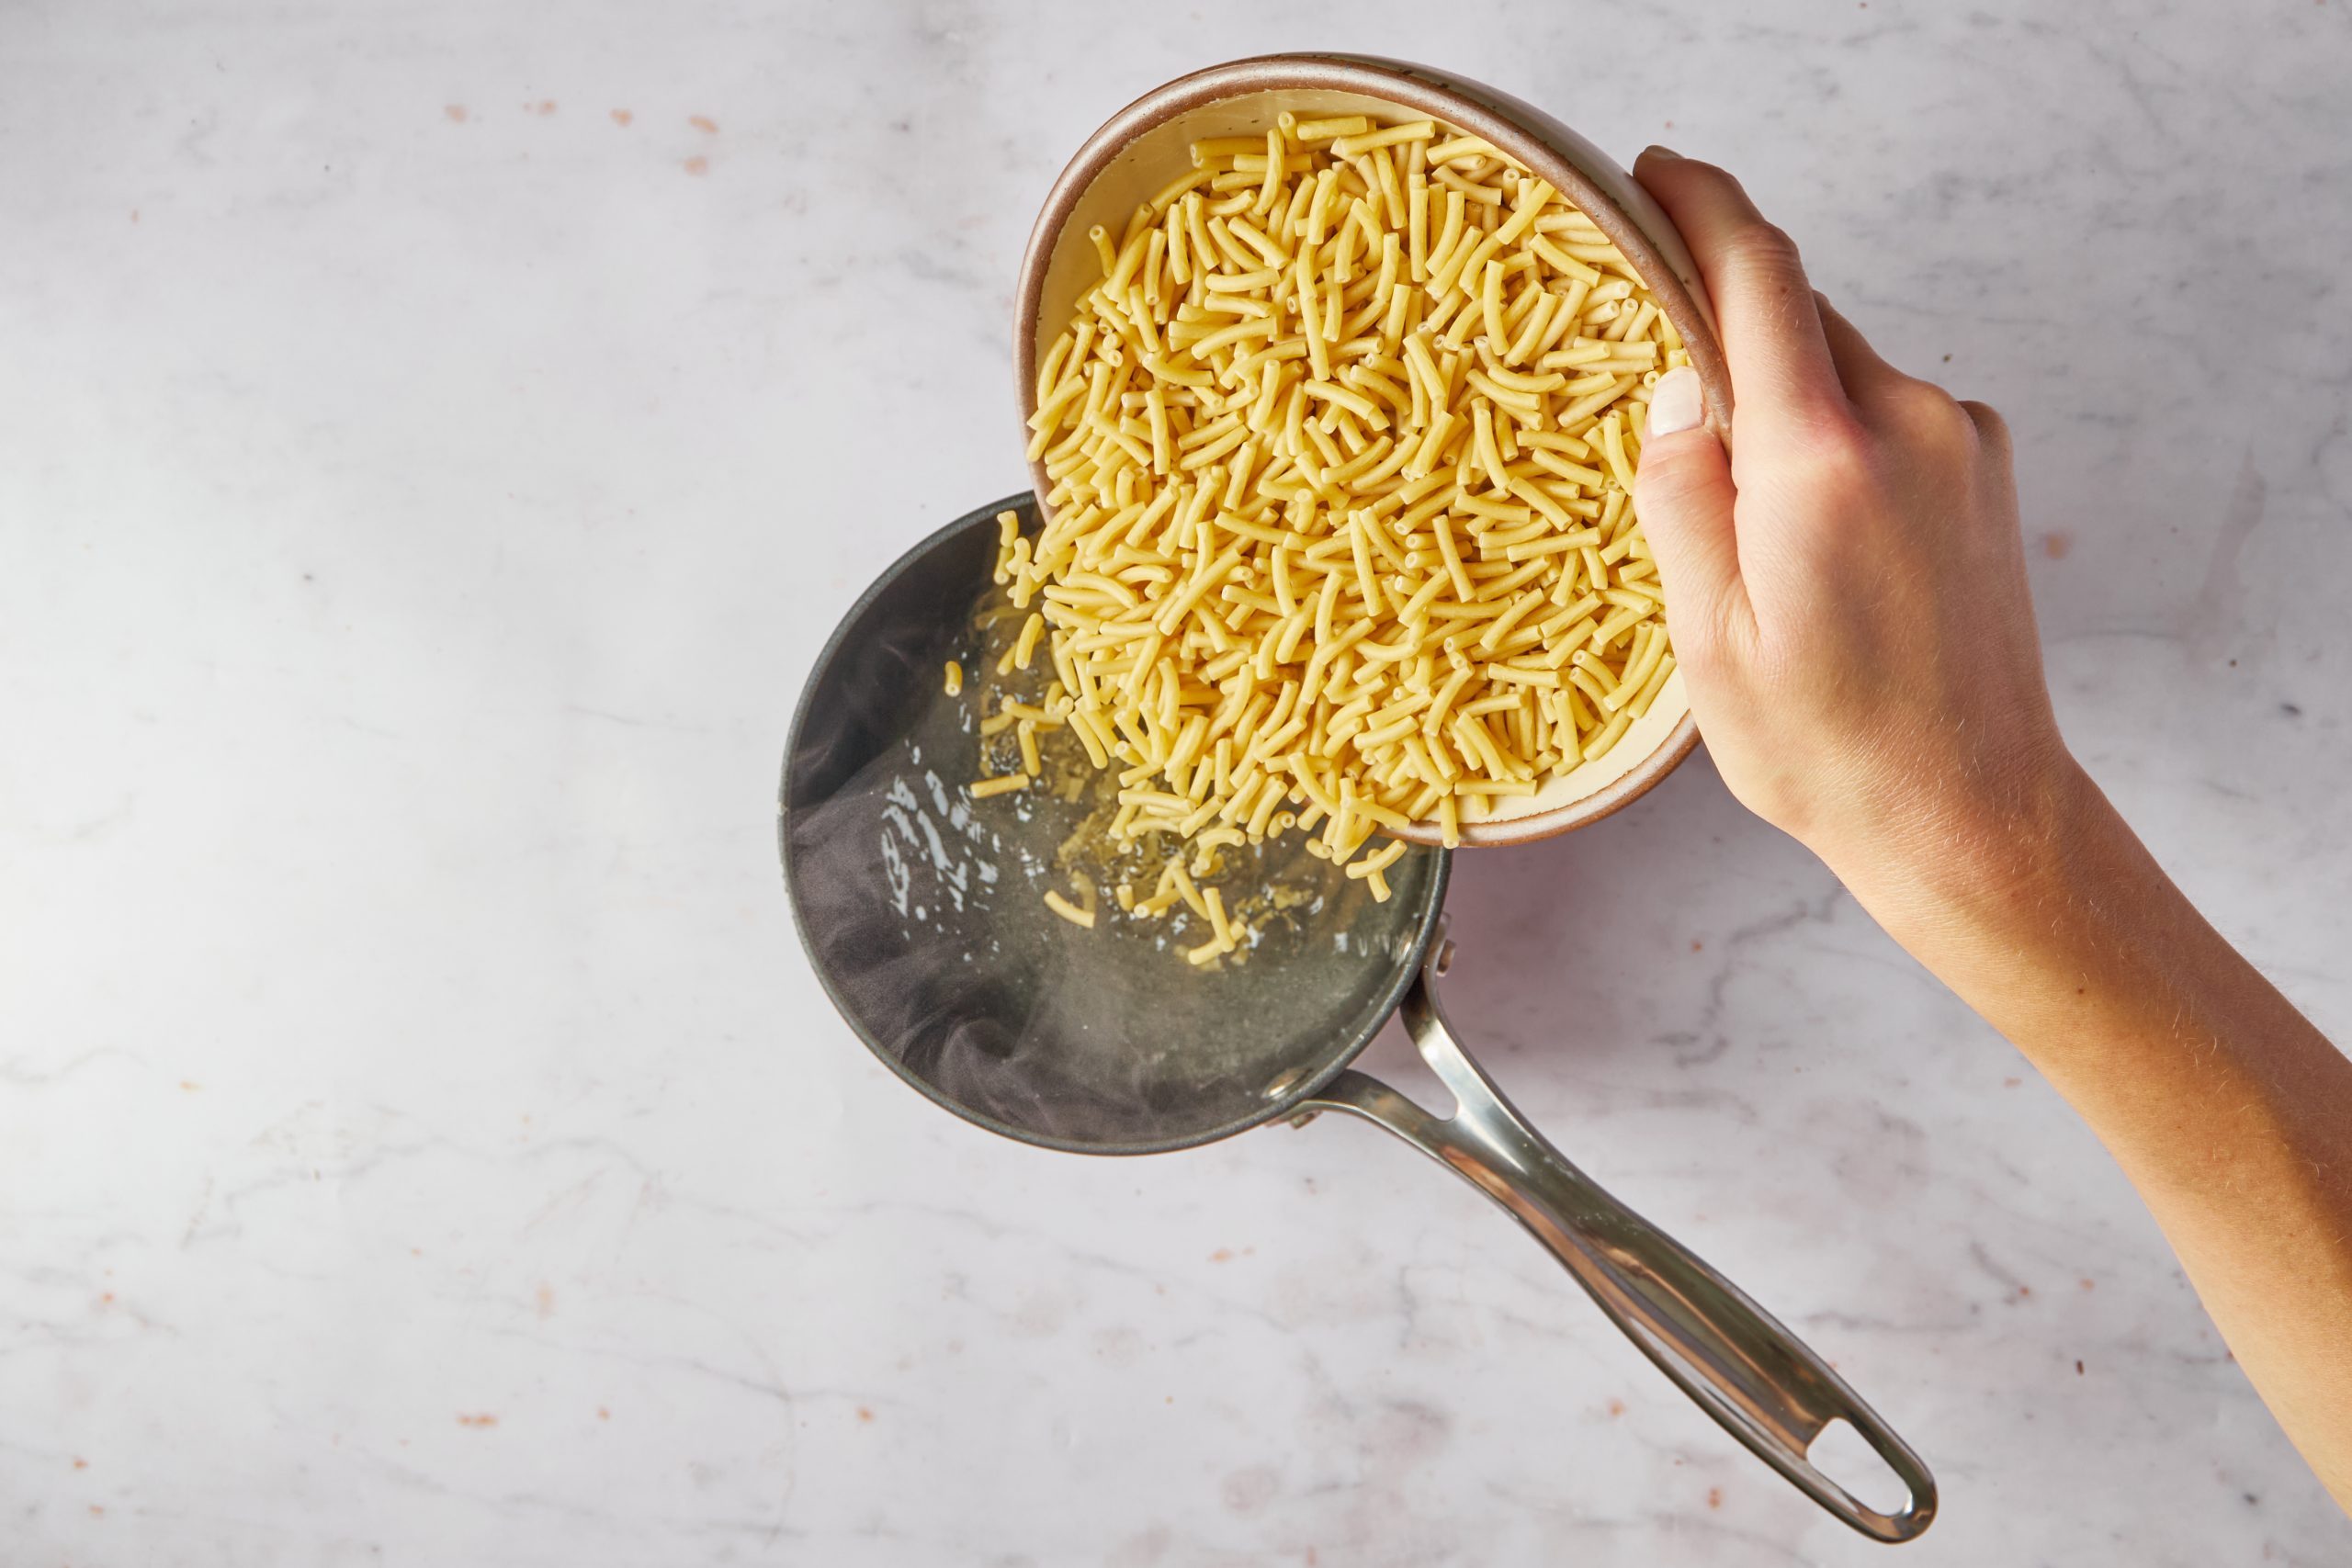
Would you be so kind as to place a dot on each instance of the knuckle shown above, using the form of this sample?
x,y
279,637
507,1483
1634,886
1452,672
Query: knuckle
x,y
1946,423
1923,401
1922,413
1664,484
1765,248
1990,428
1832,452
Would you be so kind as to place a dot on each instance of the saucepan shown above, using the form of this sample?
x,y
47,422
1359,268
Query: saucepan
x,y
920,909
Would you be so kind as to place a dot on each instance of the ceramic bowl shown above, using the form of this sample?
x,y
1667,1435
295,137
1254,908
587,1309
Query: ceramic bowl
x,y
1143,146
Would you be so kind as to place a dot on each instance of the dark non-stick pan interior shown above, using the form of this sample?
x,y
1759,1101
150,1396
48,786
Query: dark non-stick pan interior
x,y
923,912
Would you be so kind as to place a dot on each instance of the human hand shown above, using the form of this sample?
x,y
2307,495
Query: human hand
x,y
1846,595
1846,584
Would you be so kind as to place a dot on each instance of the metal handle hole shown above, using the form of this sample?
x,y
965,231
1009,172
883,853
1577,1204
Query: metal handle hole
x,y
1844,1455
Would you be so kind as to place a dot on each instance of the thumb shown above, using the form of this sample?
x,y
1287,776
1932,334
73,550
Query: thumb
x,y
1683,493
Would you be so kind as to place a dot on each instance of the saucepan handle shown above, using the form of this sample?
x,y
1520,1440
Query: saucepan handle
x,y
1764,1385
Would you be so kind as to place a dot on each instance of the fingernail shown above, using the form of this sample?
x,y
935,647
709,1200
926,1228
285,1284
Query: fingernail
x,y
1659,149
1675,403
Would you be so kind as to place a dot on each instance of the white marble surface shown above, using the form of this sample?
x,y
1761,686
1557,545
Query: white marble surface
x,y
421,1140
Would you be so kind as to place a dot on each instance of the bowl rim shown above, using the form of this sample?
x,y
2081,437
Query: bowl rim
x,y
1552,151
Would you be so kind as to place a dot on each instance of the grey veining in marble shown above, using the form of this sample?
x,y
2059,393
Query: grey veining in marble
x,y
434,438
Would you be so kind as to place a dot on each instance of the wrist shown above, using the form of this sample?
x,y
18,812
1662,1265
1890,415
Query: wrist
x,y
1962,861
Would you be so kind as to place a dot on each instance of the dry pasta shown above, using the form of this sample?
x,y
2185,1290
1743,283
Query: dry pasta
x,y
1019,712
1341,451
1004,785
1070,911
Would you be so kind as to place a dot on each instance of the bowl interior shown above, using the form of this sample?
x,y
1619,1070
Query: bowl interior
x,y
1146,160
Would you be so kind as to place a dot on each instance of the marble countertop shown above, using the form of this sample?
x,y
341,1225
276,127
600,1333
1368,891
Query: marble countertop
x,y
434,441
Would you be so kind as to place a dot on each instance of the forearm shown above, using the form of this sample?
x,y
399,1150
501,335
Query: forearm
x,y
2230,1113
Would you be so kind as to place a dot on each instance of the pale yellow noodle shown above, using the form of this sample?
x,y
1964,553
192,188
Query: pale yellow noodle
x,y
1340,452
